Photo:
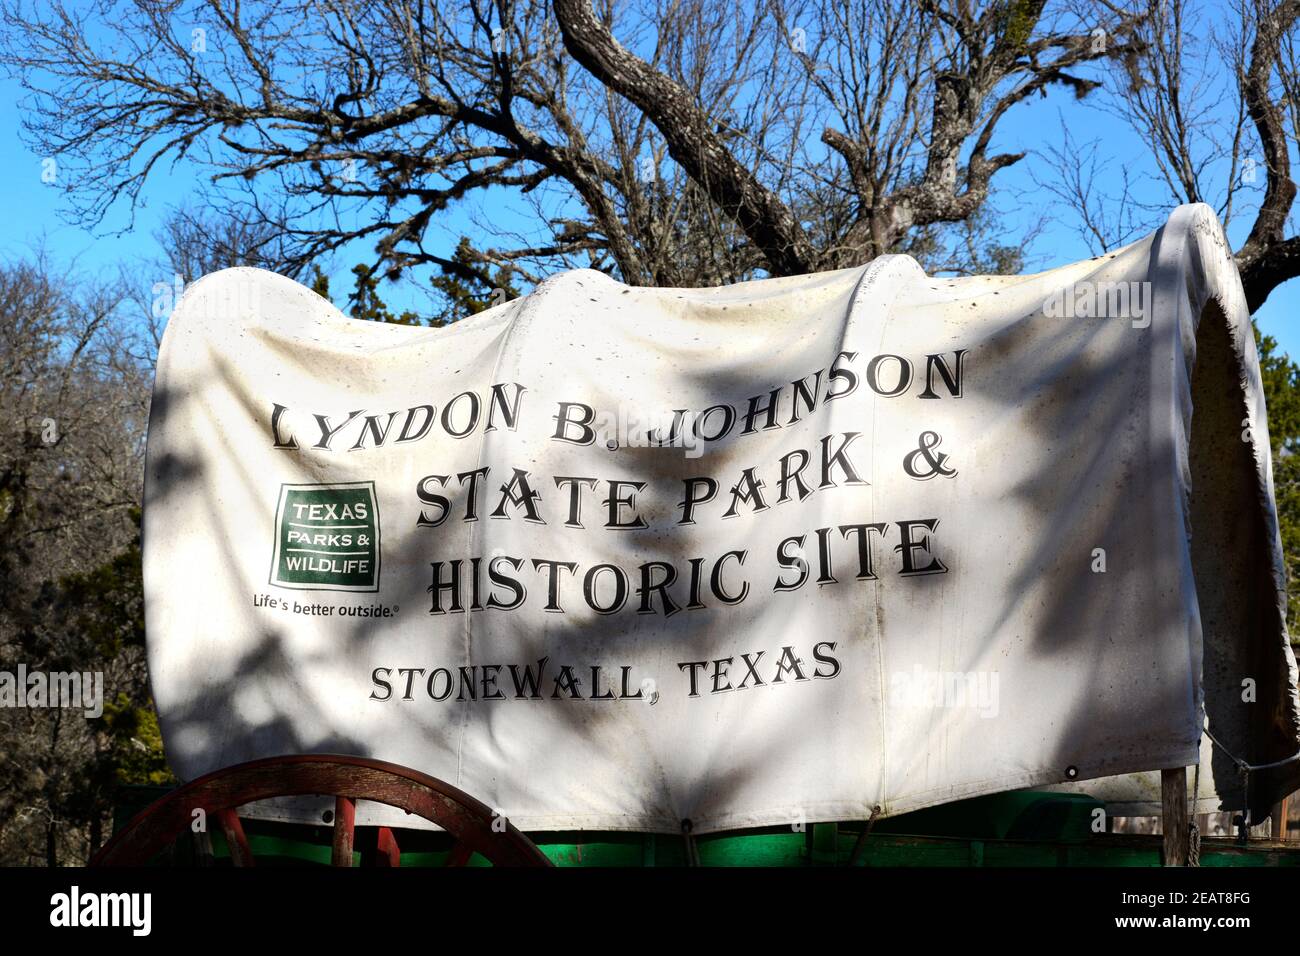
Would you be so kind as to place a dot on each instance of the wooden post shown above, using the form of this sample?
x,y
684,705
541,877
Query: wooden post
x,y
1173,816
1278,817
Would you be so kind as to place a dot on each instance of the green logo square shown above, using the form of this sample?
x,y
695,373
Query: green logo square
x,y
327,537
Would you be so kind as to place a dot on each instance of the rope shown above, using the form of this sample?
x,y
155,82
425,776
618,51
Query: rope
x,y
1194,831
1246,769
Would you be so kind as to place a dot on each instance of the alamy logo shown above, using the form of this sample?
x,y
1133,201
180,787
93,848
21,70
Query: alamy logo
x,y
926,689
57,689
327,537
1102,300
88,908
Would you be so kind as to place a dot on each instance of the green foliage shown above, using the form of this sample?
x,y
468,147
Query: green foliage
x,y
1286,478
320,283
134,753
1018,19
1282,394
104,608
105,605
90,620
468,287
1281,377
367,305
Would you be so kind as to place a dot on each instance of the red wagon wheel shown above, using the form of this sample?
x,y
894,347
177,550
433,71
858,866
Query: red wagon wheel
x,y
347,779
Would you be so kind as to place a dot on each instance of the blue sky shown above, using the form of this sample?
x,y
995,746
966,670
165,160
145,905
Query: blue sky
x,y
33,214
1039,123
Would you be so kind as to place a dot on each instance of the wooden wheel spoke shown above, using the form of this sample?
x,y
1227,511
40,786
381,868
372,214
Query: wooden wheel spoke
x,y
460,854
240,853
386,844
345,830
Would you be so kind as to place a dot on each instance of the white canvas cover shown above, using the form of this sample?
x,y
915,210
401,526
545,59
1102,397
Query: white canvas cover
x,y
789,550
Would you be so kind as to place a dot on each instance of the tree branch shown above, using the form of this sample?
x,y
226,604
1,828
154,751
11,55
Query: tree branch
x,y
691,139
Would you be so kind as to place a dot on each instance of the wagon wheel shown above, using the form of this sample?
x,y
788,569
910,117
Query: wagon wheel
x,y
347,779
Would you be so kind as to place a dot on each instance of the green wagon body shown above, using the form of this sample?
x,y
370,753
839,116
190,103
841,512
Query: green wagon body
x,y
1020,829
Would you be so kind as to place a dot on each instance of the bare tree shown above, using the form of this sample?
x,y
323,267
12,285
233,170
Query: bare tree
x,y
192,242
72,417
670,142
195,242
1268,256
1215,96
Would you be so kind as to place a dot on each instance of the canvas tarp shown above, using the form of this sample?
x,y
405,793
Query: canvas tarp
x,y
784,551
